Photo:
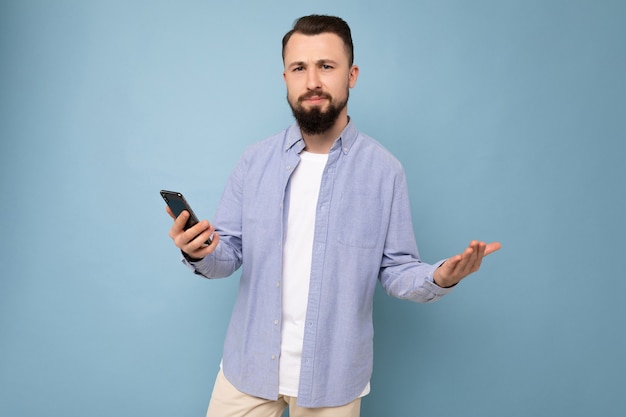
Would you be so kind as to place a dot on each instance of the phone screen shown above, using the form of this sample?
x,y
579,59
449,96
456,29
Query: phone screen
x,y
178,204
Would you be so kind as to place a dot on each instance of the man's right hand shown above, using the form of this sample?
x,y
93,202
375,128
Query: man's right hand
x,y
193,240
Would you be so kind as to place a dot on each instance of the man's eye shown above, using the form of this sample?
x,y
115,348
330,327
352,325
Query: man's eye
x,y
327,67
298,69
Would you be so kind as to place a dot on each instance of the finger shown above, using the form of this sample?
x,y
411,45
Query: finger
x,y
214,241
480,254
178,227
443,274
454,266
461,265
471,259
451,264
492,247
215,238
169,211
206,250
198,247
204,235
179,234
181,220
196,236
468,259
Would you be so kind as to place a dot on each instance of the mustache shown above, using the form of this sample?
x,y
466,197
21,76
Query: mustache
x,y
314,93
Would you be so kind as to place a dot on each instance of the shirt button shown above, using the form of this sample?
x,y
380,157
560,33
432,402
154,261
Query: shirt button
x,y
275,321
277,284
273,357
288,167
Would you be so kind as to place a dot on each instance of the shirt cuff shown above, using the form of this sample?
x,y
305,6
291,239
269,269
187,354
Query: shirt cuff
x,y
191,263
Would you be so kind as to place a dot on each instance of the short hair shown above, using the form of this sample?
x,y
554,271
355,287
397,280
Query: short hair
x,y
317,24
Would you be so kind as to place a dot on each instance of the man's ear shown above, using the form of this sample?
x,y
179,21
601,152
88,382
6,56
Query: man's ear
x,y
353,75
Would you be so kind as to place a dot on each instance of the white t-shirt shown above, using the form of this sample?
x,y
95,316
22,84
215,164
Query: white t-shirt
x,y
297,254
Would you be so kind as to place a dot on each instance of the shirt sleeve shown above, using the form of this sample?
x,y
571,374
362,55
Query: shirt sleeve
x,y
403,275
227,256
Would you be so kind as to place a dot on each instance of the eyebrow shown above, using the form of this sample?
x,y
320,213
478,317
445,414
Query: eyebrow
x,y
318,63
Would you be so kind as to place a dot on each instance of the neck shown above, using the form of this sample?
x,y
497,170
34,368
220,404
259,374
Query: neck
x,y
322,142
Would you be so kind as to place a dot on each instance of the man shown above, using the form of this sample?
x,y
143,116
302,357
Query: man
x,y
315,215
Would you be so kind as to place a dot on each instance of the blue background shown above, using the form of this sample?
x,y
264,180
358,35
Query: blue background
x,y
509,117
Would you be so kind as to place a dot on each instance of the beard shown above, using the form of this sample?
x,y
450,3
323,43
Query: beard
x,y
314,121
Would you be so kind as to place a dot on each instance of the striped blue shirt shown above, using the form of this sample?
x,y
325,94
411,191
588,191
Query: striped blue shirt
x,y
363,234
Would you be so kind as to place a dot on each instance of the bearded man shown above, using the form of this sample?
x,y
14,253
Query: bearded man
x,y
315,216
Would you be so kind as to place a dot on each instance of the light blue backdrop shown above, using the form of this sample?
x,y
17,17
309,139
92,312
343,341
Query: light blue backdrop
x,y
509,117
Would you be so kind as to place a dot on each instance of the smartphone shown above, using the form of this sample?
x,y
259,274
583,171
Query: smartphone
x,y
177,203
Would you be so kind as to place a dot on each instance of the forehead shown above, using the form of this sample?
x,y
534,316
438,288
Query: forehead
x,y
302,48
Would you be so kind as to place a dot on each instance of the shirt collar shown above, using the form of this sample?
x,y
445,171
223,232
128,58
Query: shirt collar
x,y
345,141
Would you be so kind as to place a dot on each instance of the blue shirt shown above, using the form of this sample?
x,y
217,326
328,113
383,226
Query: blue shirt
x,y
363,234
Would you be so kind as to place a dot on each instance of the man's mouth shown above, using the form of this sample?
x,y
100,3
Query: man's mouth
x,y
314,98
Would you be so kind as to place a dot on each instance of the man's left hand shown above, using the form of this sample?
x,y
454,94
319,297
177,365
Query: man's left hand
x,y
460,266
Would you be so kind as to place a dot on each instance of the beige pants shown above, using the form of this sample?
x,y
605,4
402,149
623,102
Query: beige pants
x,y
227,401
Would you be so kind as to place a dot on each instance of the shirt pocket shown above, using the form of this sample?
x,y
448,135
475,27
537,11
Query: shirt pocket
x,y
361,219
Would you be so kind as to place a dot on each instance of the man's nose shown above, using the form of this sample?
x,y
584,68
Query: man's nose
x,y
313,79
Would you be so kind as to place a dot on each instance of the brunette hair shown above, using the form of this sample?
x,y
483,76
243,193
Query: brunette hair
x,y
316,24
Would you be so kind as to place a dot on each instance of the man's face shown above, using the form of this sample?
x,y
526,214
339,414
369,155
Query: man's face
x,y
318,78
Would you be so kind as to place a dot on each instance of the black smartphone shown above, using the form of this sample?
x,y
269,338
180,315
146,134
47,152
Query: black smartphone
x,y
177,203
